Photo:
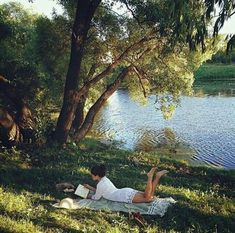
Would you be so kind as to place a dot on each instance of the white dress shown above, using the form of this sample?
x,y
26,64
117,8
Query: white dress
x,y
106,189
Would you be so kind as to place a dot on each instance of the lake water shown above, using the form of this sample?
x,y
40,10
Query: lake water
x,y
202,128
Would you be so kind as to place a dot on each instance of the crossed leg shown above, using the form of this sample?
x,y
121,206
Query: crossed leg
x,y
156,180
148,194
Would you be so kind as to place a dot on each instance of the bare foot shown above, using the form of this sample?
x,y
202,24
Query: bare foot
x,y
151,172
161,173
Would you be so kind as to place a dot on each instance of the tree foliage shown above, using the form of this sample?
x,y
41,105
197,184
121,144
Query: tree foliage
x,y
151,47
146,43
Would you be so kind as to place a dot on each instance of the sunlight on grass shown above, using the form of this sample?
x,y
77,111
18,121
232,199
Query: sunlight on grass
x,y
84,170
14,203
17,226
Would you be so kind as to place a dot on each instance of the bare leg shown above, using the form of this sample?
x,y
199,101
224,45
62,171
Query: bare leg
x,y
156,180
149,188
146,195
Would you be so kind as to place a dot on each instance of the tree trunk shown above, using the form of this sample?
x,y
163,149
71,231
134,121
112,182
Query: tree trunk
x,y
16,120
84,14
89,120
9,131
79,115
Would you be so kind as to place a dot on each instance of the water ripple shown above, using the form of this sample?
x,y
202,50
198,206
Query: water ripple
x,y
205,125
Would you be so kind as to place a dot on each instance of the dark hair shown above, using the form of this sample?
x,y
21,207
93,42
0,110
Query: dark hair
x,y
99,170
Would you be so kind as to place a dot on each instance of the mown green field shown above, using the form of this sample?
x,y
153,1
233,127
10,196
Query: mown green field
x,y
205,196
215,72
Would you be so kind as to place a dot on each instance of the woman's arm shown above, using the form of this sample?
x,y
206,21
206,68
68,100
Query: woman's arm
x,y
89,187
98,192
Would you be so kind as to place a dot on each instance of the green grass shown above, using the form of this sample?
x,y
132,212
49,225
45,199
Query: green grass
x,y
209,72
205,196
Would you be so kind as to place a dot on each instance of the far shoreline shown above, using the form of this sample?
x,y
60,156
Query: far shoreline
x,y
215,72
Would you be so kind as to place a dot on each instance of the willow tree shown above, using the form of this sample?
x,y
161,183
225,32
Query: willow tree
x,y
147,48
150,52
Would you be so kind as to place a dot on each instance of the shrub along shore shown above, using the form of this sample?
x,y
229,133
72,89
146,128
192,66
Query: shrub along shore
x,y
220,72
205,196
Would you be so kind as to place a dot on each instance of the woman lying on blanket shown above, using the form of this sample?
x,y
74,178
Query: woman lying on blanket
x,y
106,189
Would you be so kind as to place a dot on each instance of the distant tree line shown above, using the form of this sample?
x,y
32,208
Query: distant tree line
x,y
223,57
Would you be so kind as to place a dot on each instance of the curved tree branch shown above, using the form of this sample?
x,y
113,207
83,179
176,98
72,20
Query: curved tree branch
x,y
110,67
140,80
88,122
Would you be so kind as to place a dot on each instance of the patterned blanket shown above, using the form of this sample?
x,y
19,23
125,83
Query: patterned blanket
x,y
157,207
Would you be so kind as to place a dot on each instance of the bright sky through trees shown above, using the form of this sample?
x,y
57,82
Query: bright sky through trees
x,y
46,7
39,6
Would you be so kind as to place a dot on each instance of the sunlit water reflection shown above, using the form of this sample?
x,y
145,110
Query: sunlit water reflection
x,y
203,126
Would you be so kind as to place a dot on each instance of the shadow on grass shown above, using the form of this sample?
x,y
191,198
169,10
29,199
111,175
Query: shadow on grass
x,y
181,218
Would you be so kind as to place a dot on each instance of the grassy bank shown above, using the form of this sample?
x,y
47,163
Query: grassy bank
x,y
205,196
209,72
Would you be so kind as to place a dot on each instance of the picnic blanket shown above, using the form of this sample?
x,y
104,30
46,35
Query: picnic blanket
x,y
157,207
